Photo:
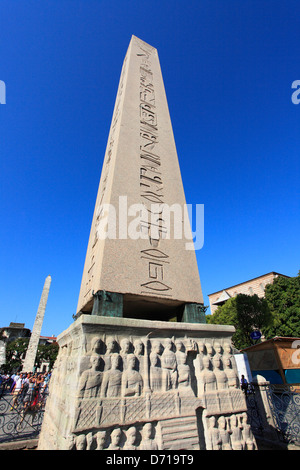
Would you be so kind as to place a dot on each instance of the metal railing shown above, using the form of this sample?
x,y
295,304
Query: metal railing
x,y
276,407
20,421
284,403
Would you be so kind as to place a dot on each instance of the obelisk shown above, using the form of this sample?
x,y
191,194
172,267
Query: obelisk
x,y
150,268
28,365
139,368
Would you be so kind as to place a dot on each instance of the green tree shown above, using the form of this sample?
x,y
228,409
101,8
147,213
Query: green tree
x,y
246,313
46,353
283,297
16,351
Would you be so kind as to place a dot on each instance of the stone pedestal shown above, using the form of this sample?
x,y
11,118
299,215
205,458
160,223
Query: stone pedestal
x,y
137,384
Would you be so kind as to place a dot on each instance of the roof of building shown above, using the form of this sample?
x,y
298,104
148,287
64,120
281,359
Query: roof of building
x,y
249,280
223,297
16,325
272,340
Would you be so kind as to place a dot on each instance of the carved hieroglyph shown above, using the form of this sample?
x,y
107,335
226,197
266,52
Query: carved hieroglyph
x,y
140,167
136,384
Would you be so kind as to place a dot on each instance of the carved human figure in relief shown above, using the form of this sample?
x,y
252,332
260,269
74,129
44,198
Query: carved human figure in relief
x,y
218,350
210,350
111,348
112,378
201,354
100,439
96,346
168,363
91,379
215,441
115,438
131,436
233,380
228,355
139,354
80,442
148,443
221,377
248,438
125,348
132,381
224,433
227,349
184,373
89,441
156,375
180,350
207,382
236,433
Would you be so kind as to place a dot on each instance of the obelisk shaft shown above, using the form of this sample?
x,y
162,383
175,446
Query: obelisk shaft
x,y
140,169
28,365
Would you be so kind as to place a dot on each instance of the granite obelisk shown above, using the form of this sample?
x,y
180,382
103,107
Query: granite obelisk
x,y
139,369
150,268
28,365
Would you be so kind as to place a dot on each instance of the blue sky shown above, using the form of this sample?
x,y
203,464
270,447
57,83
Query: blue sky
x,y
228,67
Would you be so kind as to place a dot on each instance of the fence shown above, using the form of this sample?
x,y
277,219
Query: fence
x,y
17,421
274,412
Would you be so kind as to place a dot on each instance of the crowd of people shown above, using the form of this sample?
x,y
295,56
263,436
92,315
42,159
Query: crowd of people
x,y
28,390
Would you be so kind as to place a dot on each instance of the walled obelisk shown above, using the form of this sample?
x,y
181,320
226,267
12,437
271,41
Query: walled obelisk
x,y
28,365
149,270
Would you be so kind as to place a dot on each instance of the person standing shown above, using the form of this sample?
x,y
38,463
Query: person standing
x,y
17,390
244,384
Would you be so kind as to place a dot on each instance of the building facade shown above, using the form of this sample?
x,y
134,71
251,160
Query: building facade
x,y
9,334
18,330
252,286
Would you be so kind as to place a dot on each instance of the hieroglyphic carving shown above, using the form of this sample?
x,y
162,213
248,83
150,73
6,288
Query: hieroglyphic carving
x,y
151,181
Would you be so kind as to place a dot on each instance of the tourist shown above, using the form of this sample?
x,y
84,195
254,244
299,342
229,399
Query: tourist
x,y
13,380
30,393
17,390
244,384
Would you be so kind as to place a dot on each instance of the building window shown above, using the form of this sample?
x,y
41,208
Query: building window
x,y
262,287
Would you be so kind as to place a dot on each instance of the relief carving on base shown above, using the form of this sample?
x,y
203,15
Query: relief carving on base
x,y
141,393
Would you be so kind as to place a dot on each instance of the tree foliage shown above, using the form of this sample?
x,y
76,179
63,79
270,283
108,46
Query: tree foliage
x,y
246,313
15,354
283,297
278,314
16,351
